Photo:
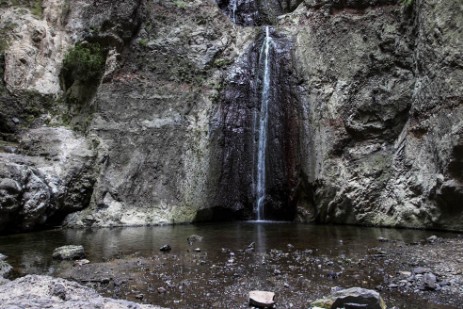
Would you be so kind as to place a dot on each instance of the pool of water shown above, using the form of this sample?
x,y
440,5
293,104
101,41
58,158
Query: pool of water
x,y
31,253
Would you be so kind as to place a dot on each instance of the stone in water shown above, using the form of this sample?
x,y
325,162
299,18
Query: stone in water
x,y
261,299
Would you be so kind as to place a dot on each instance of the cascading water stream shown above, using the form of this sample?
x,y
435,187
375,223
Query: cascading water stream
x,y
263,127
233,8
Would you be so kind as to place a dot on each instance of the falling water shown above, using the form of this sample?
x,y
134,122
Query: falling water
x,y
233,8
263,124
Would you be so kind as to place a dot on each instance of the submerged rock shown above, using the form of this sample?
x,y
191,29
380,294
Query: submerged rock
x,y
69,253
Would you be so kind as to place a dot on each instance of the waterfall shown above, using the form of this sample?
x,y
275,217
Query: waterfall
x,y
263,126
233,6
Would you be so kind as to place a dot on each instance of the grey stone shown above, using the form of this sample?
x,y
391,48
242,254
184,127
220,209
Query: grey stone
x,y
5,269
35,291
421,270
429,282
358,296
69,253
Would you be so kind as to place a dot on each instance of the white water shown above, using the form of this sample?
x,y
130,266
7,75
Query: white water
x,y
263,126
233,5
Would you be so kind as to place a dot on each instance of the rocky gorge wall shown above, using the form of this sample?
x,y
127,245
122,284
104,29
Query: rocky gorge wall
x,y
377,86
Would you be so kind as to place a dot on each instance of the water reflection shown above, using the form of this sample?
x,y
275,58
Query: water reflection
x,y
31,253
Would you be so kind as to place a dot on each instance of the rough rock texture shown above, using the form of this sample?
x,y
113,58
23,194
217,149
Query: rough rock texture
x,y
373,127
383,92
152,119
235,130
46,292
256,12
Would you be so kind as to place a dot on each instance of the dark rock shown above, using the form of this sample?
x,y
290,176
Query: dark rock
x,y
165,248
58,290
69,253
360,296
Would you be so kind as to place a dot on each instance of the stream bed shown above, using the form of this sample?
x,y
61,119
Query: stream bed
x,y
300,263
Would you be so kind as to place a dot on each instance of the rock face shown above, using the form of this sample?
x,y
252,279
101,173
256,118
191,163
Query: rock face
x,y
236,132
367,129
46,292
384,129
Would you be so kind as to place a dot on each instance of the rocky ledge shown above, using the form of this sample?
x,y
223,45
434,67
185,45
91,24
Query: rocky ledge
x,y
47,292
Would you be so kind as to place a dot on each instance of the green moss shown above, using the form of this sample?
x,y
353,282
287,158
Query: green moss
x,y
35,6
222,62
143,42
84,62
37,9
180,4
406,2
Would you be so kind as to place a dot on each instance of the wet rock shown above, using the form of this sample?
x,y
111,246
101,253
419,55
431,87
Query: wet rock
x,y
431,239
5,269
261,299
165,248
69,253
359,296
382,239
3,257
193,239
429,282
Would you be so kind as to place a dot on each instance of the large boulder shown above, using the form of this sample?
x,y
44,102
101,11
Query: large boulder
x,y
354,297
35,291
69,253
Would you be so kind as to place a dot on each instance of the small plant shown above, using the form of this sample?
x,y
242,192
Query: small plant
x,y
37,8
406,3
180,4
84,62
143,42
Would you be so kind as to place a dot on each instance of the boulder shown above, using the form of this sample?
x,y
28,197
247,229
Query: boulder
x,y
357,297
34,291
262,299
352,298
5,269
69,253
